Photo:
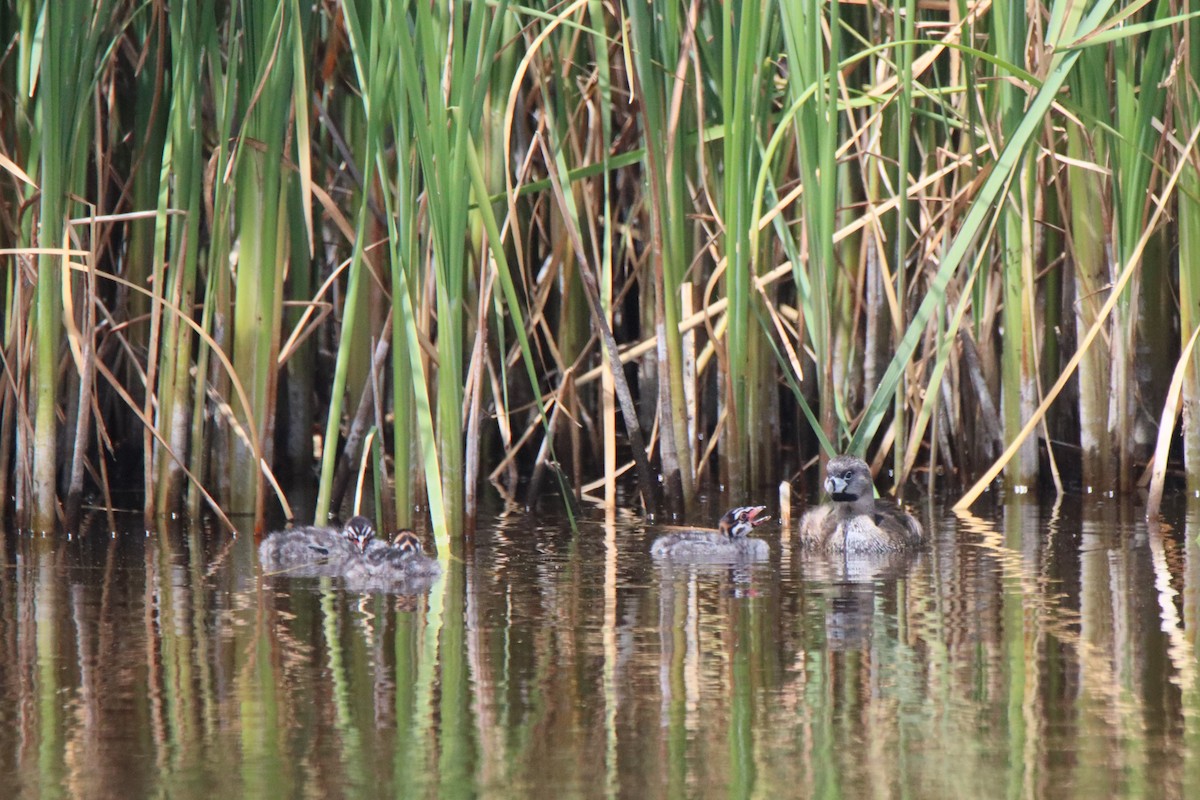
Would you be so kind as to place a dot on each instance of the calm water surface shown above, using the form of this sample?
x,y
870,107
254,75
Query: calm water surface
x,y
1030,652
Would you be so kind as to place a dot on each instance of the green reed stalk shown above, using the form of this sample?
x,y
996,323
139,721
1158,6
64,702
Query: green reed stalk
x,y
256,216
146,237
658,41
899,260
1186,99
1123,143
74,32
1054,315
604,95
1016,250
299,236
1139,103
301,368
218,293
975,219
56,114
744,107
1070,34
442,141
150,121
421,111
414,418
441,148
183,168
266,91
28,49
816,130
199,457
1090,253
18,26
350,313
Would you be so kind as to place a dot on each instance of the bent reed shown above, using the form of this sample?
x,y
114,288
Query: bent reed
x,y
403,244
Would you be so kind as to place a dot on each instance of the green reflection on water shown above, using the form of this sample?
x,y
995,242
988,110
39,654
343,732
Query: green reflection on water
x,y
741,728
1034,653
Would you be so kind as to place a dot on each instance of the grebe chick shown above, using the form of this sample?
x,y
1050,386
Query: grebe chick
x,y
315,550
401,560
729,541
854,521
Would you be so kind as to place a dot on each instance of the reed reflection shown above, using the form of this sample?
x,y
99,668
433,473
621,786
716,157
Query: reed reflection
x,y
1030,650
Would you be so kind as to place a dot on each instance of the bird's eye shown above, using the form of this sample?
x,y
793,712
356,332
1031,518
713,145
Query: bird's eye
x,y
849,474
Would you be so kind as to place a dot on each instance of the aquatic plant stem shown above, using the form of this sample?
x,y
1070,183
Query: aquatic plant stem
x,y
1127,273
624,397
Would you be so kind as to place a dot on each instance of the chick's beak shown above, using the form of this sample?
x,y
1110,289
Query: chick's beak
x,y
754,515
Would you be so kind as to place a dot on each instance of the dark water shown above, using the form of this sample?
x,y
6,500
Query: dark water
x,y
1030,652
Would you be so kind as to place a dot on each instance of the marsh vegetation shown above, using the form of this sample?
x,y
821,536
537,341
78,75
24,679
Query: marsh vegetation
x,y
405,243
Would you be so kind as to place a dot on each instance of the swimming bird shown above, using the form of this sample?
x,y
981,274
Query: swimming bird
x,y
401,560
316,550
853,520
729,541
